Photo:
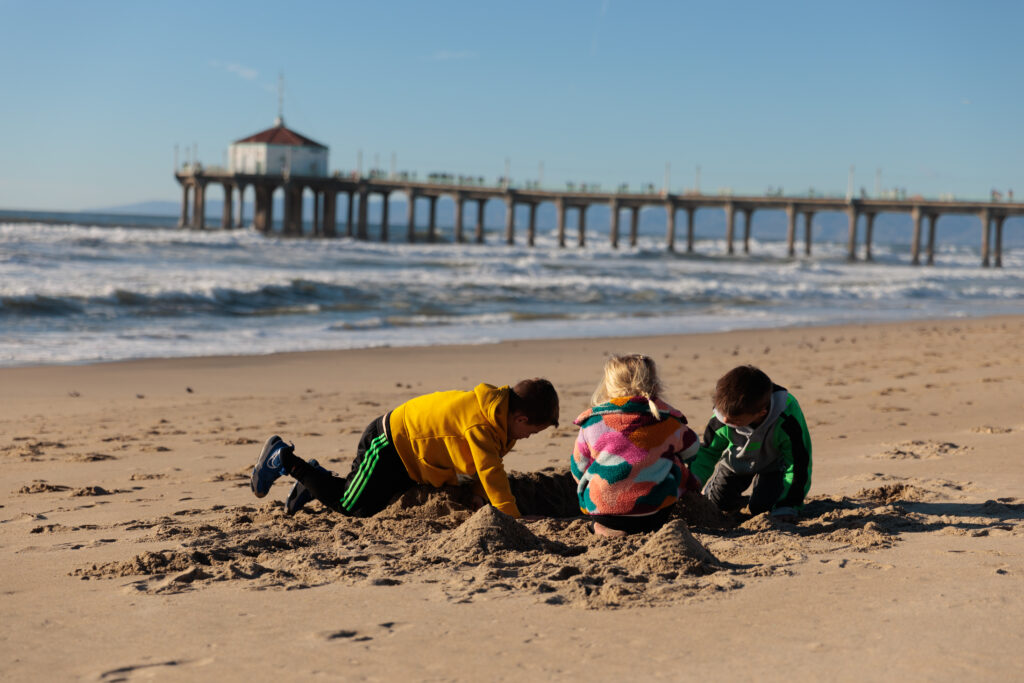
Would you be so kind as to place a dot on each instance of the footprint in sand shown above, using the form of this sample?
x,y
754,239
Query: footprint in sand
x,y
94,491
90,457
40,486
989,429
920,450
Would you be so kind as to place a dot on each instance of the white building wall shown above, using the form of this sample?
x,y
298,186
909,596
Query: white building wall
x,y
260,158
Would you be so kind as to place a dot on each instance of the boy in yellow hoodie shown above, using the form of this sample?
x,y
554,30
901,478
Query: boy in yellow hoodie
x,y
435,439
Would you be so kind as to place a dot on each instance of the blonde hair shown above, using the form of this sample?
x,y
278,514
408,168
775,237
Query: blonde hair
x,y
630,375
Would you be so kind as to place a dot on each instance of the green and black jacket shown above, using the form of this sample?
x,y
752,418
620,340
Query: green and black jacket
x,y
780,443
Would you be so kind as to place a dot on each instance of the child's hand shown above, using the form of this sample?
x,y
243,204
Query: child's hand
x,y
477,502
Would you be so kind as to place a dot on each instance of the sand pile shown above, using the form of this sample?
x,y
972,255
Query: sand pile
x,y
485,533
674,549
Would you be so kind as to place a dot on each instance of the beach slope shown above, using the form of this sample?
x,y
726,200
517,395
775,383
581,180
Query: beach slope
x,y
133,549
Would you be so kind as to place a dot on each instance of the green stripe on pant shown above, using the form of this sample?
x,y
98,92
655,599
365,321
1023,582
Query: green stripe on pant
x,y
358,483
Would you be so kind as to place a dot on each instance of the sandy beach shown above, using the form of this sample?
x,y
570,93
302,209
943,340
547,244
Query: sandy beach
x,y
132,547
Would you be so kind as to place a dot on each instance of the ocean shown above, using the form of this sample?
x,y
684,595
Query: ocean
x,y
86,293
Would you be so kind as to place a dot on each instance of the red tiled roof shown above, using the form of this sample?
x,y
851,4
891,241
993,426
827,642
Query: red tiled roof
x,y
279,135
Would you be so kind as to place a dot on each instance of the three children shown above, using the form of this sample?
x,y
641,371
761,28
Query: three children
x,y
633,457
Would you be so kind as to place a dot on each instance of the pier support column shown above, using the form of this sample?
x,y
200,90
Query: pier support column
x,y
270,209
869,230
851,240
480,204
690,211
531,229
510,220
364,211
199,207
183,222
459,205
349,227
915,240
560,220
226,209
808,222
582,238
331,213
432,225
791,230
932,217
634,224
747,216
410,217
984,237
240,216
259,209
613,233
293,211
999,241
385,218
730,212
316,219
670,226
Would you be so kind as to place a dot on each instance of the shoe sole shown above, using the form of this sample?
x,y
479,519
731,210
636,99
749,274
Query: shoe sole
x,y
267,447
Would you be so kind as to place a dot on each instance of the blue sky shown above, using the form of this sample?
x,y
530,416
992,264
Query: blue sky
x,y
95,95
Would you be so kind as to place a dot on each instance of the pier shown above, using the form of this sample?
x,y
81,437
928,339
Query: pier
x,y
624,207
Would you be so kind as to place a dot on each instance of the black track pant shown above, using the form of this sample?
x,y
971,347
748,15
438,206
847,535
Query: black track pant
x,y
377,475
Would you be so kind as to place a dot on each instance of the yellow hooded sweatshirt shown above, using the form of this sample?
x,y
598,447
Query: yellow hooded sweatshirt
x,y
443,435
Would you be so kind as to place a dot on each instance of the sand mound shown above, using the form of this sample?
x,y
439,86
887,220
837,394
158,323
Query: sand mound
x,y
485,533
674,549
424,503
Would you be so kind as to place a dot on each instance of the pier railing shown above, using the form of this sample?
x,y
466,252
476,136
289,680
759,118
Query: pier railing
x,y
462,189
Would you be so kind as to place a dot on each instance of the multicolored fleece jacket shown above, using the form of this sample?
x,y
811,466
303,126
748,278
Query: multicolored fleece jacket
x,y
781,442
628,462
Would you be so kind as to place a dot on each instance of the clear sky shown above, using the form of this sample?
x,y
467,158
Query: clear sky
x,y
94,95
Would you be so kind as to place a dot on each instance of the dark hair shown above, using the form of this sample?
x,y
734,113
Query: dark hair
x,y
743,391
536,399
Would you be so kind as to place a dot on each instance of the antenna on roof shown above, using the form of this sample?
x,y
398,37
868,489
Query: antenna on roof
x,y
279,121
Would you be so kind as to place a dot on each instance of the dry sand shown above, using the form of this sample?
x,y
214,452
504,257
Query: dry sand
x,y
132,548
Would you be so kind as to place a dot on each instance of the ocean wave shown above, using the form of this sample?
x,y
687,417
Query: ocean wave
x,y
78,293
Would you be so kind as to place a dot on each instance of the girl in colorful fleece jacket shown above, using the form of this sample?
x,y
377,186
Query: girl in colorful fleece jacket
x,y
628,457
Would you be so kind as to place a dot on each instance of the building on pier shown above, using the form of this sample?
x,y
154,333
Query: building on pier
x,y
277,151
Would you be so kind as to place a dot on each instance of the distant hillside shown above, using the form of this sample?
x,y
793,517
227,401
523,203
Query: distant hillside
x,y
151,208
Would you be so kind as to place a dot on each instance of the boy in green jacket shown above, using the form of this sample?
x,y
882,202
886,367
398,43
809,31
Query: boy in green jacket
x,y
438,439
757,437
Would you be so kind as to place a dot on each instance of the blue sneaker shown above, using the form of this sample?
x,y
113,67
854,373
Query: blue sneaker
x,y
269,466
300,495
